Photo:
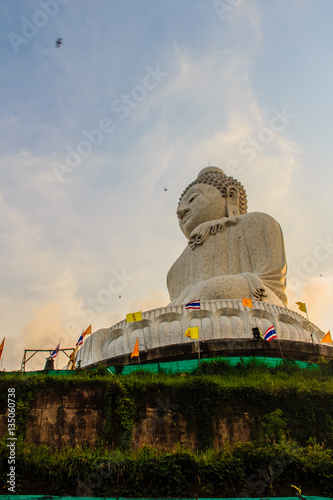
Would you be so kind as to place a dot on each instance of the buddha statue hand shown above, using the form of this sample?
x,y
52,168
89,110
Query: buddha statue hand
x,y
259,294
201,232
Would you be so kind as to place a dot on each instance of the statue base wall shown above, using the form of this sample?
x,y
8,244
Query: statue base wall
x,y
163,330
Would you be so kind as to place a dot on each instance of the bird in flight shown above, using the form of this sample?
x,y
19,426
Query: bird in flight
x,y
58,42
165,189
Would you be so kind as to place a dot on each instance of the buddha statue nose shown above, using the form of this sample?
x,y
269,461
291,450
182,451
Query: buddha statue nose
x,y
181,210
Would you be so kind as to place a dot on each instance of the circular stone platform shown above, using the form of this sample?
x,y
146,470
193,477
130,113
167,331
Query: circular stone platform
x,y
218,320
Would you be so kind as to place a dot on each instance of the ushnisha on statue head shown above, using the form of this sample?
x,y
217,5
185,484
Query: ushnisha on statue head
x,y
211,197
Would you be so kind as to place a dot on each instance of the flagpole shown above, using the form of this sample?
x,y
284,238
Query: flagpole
x,y
58,355
280,347
311,334
200,330
302,307
199,350
194,304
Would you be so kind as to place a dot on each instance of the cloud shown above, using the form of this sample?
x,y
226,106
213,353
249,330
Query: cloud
x,y
40,332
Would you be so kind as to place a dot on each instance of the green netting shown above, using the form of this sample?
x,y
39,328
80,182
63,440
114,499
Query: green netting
x,y
192,364
51,372
171,367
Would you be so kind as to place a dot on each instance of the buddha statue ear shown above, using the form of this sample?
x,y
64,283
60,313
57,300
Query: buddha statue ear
x,y
232,201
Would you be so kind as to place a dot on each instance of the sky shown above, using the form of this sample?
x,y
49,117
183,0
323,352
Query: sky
x,y
140,96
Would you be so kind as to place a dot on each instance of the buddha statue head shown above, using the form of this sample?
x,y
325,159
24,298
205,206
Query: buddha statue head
x,y
211,196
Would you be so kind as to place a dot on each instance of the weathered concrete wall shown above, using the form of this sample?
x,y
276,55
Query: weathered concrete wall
x,y
59,419
78,417
166,432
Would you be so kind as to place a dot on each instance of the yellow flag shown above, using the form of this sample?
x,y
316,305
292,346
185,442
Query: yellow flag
x,y
301,306
87,332
247,303
327,338
130,318
192,332
135,351
1,347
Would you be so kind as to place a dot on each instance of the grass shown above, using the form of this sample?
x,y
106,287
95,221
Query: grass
x,y
251,469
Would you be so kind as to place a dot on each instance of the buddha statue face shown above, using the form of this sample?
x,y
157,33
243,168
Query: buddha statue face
x,y
212,196
200,203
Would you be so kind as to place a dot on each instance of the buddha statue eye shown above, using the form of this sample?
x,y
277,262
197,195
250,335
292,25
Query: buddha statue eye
x,y
193,197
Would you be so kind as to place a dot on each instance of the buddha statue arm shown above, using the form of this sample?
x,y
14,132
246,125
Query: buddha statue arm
x,y
201,232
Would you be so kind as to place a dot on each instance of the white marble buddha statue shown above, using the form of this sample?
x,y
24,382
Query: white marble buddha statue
x,y
231,254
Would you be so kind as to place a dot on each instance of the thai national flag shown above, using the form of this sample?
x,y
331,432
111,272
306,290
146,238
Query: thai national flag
x,y
80,341
195,304
54,353
270,334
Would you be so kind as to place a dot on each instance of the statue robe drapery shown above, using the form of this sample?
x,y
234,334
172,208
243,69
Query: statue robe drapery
x,y
246,255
